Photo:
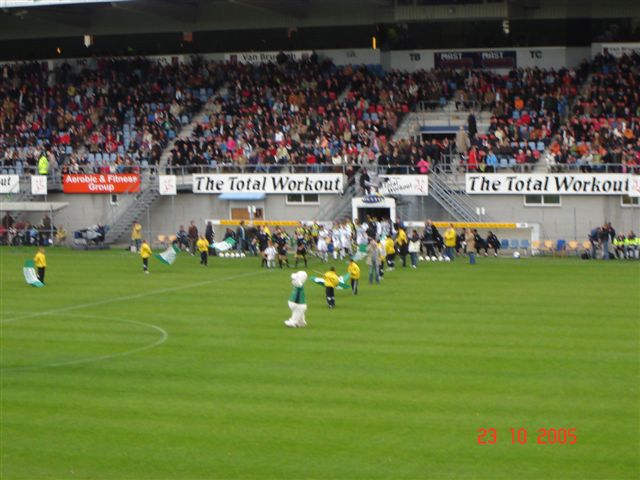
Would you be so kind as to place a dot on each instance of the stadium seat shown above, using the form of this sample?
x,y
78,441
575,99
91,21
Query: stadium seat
x,y
540,146
560,248
524,244
547,247
504,244
572,246
513,244
535,246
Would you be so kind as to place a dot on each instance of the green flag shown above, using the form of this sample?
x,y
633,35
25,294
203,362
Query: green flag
x,y
30,275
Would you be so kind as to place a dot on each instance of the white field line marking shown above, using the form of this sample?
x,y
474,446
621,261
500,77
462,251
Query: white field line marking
x,y
131,297
163,338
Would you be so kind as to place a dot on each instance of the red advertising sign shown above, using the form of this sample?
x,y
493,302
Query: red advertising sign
x,y
101,183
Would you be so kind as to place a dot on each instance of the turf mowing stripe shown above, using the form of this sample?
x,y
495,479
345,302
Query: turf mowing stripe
x,y
131,297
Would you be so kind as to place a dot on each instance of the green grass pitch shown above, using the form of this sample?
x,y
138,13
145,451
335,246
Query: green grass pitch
x,y
190,373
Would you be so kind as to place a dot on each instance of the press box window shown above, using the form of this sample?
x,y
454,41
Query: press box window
x,y
542,201
302,198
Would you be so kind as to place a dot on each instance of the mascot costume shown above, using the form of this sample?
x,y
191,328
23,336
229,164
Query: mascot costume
x,y
297,302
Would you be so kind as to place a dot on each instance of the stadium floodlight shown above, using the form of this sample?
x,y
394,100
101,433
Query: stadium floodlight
x,y
50,3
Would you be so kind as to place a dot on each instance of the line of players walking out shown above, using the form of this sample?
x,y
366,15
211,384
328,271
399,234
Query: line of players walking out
x,y
347,239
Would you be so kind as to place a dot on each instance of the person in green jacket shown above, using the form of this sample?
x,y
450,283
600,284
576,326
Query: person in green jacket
x,y
43,164
297,301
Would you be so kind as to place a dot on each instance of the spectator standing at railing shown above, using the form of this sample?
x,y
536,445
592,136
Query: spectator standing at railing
x,y
43,164
491,162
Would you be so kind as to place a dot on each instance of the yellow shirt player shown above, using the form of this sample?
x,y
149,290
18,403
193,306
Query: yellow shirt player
x,y
354,272
331,281
403,245
203,247
382,253
390,251
450,237
40,261
145,253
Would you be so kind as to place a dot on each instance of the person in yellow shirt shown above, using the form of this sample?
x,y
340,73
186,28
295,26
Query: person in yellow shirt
x,y
354,273
40,261
450,237
145,253
203,247
136,235
403,245
331,281
390,250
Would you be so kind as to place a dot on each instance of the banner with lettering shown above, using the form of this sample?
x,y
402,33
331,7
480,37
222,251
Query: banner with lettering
x,y
39,185
101,183
9,184
265,57
411,185
548,184
268,183
167,185
476,59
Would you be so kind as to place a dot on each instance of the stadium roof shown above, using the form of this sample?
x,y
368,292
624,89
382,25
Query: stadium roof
x,y
45,20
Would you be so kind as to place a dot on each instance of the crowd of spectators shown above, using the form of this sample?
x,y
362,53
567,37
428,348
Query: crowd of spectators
x,y
112,115
585,120
96,115
315,115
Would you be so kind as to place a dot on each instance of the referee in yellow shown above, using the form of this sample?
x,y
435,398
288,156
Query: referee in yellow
x,y
203,247
331,281
40,261
145,253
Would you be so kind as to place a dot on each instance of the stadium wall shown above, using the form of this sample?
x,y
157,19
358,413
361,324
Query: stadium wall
x,y
571,220
411,60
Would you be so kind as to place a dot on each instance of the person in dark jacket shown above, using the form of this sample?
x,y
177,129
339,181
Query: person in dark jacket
x,y
241,237
429,238
603,237
209,236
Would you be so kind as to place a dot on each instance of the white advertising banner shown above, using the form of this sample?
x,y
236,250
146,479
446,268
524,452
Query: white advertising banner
x,y
167,185
634,186
9,184
268,183
548,184
39,185
404,185
265,57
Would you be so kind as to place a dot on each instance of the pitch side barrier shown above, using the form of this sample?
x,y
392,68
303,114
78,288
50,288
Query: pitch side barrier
x,y
524,231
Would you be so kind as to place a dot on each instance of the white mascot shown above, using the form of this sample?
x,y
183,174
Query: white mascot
x,y
297,302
